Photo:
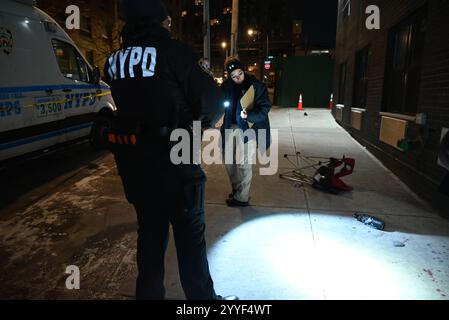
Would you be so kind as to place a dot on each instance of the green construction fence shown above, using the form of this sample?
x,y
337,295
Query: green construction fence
x,y
310,76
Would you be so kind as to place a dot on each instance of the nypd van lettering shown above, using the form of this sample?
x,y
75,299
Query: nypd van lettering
x,y
138,61
80,100
10,109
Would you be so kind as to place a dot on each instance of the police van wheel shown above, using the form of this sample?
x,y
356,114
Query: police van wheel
x,y
101,126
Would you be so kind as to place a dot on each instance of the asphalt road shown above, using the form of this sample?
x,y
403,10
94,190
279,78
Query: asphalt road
x,y
42,173
64,209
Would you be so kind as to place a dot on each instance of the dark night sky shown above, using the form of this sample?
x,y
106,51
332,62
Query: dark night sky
x,y
320,20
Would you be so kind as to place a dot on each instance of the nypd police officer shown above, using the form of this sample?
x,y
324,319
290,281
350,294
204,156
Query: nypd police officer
x,y
159,85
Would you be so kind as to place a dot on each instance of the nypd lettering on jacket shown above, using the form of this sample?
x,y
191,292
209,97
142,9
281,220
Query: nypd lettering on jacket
x,y
133,62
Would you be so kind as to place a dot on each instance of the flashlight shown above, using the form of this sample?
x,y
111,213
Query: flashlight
x,y
227,104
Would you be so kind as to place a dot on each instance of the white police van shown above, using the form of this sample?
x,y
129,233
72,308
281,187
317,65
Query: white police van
x,y
49,94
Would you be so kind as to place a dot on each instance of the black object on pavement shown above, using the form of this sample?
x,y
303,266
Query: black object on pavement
x,y
370,221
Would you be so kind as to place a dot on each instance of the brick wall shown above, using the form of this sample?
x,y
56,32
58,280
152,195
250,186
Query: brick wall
x,y
106,24
418,167
97,40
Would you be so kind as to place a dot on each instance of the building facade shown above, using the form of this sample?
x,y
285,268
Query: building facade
x,y
391,86
270,20
100,26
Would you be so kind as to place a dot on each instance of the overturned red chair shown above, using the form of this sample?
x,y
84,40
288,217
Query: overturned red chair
x,y
327,179
327,175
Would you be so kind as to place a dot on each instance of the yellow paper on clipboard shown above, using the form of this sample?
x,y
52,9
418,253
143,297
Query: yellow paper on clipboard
x,y
247,100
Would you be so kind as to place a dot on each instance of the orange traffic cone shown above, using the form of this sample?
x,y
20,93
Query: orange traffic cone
x,y
331,102
300,106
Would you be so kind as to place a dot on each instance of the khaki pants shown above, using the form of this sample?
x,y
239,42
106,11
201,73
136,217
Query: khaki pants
x,y
240,172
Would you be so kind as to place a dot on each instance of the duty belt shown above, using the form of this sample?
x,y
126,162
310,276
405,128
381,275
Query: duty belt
x,y
132,139
116,138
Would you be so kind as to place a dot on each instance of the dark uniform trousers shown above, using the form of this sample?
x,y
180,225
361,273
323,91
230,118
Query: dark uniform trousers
x,y
165,194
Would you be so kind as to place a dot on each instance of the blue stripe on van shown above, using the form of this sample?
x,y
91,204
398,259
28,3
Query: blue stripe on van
x,y
43,137
50,87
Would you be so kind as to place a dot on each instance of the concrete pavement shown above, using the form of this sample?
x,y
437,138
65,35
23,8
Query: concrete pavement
x,y
304,244
293,243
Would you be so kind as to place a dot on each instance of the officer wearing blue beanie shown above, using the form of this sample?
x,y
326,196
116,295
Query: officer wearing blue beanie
x,y
159,86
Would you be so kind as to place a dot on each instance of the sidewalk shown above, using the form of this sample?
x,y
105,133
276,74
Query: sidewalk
x,y
292,244
304,244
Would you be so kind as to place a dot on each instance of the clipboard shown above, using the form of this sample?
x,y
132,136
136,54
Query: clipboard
x,y
247,100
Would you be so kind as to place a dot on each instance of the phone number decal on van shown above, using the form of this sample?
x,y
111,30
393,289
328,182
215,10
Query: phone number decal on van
x,y
48,106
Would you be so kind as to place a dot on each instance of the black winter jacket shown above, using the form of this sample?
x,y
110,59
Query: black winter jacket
x,y
159,82
262,106
156,83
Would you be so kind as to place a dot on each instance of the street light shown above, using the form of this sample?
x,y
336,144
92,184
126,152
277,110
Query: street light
x,y
250,35
224,45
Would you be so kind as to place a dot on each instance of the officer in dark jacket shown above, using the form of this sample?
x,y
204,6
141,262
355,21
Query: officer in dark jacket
x,y
158,85
234,88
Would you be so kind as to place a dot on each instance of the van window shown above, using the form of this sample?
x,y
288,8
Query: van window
x,y
70,62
